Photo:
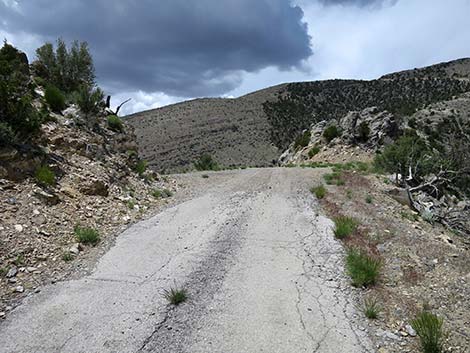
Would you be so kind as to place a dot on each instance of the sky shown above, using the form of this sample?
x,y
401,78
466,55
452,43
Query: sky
x,y
159,52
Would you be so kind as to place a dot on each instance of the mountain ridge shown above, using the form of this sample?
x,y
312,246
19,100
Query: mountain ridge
x,y
256,128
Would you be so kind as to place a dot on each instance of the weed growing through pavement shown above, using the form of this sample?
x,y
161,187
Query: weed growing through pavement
x,y
175,295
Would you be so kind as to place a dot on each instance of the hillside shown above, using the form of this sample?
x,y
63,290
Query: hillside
x,y
70,180
255,129
235,131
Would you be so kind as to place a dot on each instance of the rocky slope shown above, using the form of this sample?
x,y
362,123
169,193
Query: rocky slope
x,y
94,185
257,128
234,131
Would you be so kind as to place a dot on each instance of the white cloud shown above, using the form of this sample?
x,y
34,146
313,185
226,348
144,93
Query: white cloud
x,y
141,101
365,43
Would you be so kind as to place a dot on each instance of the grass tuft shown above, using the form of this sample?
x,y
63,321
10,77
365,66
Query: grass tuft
x,y
319,191
86,235
45,175
428,327
141,167
372,308
175,296
363,269
115,123
67,257
162,193
344,226
313,151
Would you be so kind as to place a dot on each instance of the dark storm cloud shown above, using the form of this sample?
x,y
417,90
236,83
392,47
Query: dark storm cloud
x,y
185,48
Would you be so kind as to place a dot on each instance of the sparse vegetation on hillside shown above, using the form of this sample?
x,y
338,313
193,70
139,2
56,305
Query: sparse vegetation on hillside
x,y
302,141
364,132
86,235
18,118
115,123
331,133
372,308
206,162
45,176
429,328
89,99
54,98
344,226
302,104
313,151
164,193
363,268
319,191
141,167
67,69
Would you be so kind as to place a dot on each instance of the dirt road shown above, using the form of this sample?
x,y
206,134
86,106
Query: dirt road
x,y
260,263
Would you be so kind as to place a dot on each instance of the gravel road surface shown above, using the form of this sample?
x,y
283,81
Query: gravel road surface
x,y
259,261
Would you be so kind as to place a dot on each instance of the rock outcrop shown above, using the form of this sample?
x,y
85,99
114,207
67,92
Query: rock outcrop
x,y
89,180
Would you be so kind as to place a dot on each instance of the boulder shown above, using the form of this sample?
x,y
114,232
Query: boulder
x,y
95,188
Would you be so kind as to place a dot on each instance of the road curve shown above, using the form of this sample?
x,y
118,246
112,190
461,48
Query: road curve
x,y
261,265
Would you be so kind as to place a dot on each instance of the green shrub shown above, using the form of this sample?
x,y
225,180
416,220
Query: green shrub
x,y
19,119
340,182
176,296
363,269
313,151
409,151
54,98
7,135
19,260
319,191
141,167
45,175
164,193
364,131
89,99
130,204
86,235
372,308
428,216
303,140
206,162
67,257
115,123
65,68
429,329
334,178
369,199
331,133
344,226
205,176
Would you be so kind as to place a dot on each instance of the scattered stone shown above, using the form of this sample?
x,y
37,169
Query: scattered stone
x,y
96,188
2,314
48,198
410,330
11,200
19,289
75,249
12,272
18,228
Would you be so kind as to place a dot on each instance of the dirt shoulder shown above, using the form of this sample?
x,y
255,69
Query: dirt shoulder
x,y
424,265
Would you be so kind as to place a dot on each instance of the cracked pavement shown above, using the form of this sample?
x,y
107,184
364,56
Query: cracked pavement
x,y
261,265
